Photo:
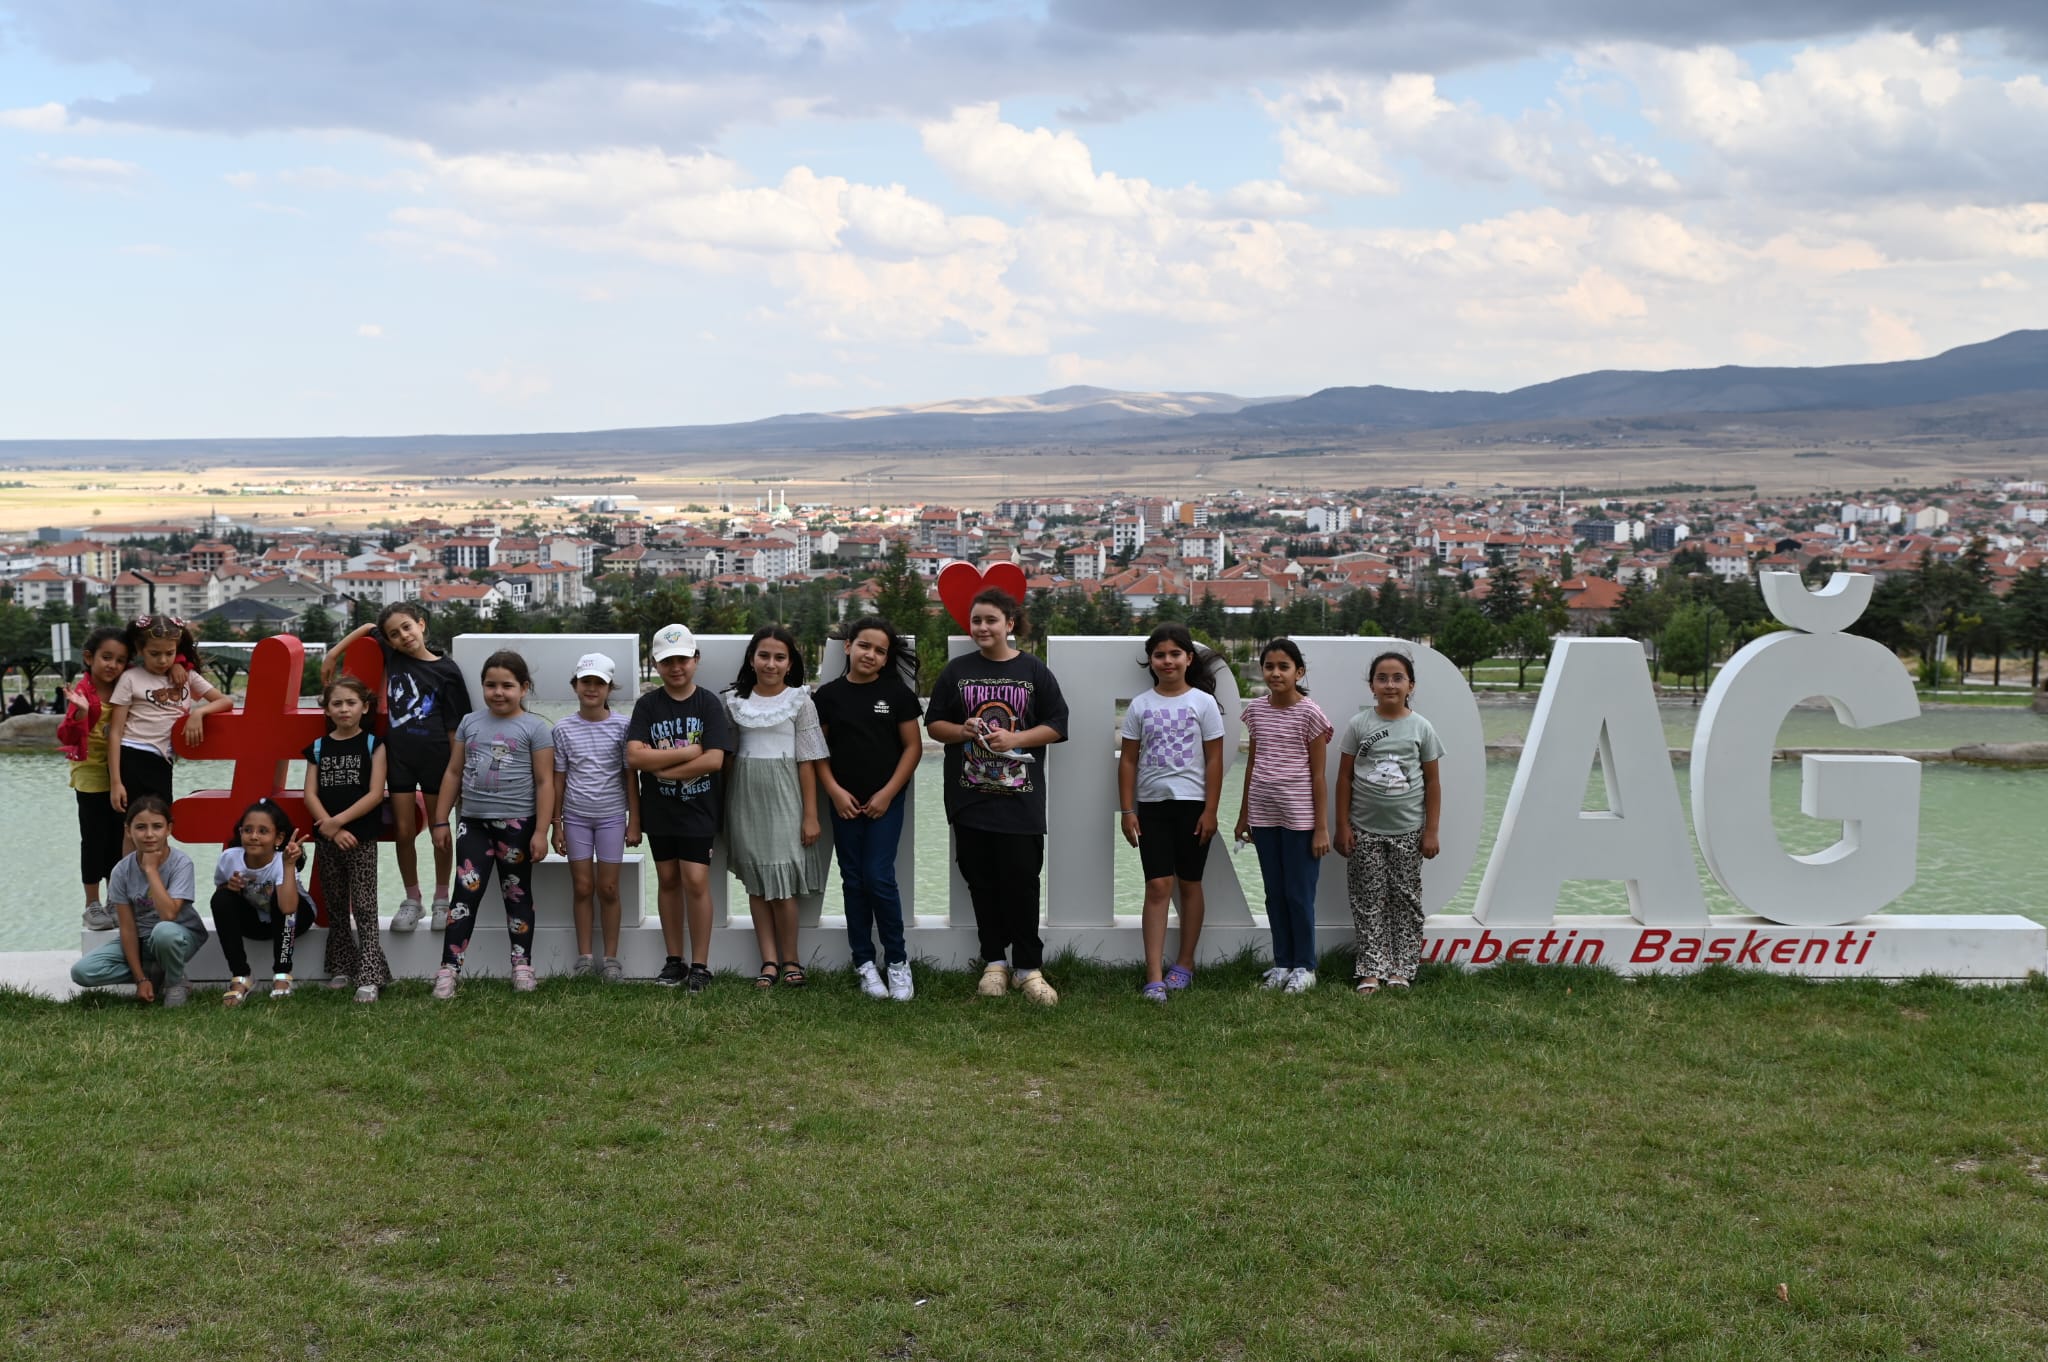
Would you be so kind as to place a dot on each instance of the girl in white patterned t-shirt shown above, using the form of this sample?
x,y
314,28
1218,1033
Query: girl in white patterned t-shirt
x,y
1284,801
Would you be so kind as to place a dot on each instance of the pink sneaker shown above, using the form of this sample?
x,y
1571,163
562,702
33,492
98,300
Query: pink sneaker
x,y
444,982
522,979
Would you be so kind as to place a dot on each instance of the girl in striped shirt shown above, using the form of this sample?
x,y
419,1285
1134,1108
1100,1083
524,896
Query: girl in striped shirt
x,y
1284,802
597,811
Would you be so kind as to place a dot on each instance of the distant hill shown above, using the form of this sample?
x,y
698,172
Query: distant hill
x,y
2013,363
1081,415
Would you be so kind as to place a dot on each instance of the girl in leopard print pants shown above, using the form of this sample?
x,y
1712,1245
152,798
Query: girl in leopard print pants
x,y
1387,806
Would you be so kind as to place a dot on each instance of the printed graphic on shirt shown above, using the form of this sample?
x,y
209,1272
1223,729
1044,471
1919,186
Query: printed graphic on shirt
x,y
489,761
411,705
168,696
669,734
998,704
1172,738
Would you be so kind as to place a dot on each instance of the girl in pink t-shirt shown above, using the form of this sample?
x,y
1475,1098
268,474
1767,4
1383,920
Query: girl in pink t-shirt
x,y
154,696
1284,802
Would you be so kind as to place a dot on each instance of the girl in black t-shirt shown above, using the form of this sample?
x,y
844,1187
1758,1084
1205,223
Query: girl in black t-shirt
x,y
870,721
996,709
344,798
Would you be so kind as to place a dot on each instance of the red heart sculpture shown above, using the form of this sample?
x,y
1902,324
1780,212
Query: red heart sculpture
x,y
960,583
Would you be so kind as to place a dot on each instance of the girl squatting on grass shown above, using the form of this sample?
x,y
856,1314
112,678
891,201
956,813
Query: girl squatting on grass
x,y
1388,801
1169,779
1283,812
345,775
148,702
990,708
870,720
425,698
501,767
88,710
773,833
257,893
150,892
597,810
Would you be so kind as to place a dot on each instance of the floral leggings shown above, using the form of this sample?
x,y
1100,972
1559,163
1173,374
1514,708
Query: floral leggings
x,y
481,843
1384,877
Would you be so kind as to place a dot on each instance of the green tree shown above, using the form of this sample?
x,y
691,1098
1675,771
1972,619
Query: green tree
x,y
316,625
1505,598
2026,606
900,595
1690,641
1526,639
1467,638
225,663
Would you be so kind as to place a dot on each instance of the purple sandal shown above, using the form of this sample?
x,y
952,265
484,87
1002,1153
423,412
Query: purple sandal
x,y
1178,978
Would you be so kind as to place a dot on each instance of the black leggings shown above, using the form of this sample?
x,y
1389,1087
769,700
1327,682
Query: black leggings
x,y
234,918
1001,870
99,837
481,843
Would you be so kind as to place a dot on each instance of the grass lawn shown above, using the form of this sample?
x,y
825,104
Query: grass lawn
x,y
1515,1165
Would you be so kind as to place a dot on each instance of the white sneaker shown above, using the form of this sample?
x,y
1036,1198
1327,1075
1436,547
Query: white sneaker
x,y
444,982
1300,981
870,980
100,918
439,922
1274,977
900,987
407,917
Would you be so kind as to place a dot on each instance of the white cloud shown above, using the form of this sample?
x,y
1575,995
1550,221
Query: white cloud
x,y
1886,336
511,383
2003,281
1598,297
41,118
370,331
89,172
812,379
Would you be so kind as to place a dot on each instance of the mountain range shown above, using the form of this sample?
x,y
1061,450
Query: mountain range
x,y
2009,373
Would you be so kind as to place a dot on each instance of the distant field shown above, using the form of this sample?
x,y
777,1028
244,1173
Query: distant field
x,y
121,489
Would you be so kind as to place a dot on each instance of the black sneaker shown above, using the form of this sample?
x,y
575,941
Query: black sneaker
x,y
700,978
671,974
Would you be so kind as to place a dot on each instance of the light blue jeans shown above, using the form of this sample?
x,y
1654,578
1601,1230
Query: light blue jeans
x,y
164,944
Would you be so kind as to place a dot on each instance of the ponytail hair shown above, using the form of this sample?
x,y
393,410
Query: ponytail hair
x,y
1293,651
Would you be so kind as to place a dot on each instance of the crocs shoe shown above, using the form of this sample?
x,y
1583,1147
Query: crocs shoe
x,y
1153,993
439,922
995,979
1178,978
444,982
407,918
1035,987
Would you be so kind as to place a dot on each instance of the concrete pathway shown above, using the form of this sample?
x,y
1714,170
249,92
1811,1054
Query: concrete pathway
x,y
45,972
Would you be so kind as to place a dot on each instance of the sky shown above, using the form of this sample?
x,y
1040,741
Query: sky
x,y
323,217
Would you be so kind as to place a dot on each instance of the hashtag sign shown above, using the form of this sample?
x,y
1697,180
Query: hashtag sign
x,y
270,728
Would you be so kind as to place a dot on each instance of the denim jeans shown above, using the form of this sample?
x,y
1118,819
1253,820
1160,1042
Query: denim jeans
x,y
867,877
1290,872
165,947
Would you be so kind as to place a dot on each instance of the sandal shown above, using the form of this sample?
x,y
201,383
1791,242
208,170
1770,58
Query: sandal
x,y
238,989
766,978
793,975
280,986
1365,988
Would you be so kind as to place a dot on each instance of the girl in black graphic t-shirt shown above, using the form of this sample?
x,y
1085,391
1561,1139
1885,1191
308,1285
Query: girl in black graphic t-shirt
x,y
995,711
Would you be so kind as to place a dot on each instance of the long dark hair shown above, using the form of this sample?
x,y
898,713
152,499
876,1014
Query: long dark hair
x,y
1200,659
902,654
1293,651
744,683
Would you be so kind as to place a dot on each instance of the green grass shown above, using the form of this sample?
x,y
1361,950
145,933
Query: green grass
x,y
1522,1164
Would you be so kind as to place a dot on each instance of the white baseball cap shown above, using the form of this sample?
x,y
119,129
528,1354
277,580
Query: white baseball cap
x,y
594,664
674,640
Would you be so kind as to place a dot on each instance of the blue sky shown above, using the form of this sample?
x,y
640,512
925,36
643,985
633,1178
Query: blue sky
x,y
480,215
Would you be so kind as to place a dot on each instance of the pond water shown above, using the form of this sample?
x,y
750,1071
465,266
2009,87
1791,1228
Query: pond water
x,y
1979,828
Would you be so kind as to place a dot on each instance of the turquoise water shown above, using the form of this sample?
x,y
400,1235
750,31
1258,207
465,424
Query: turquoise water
x,y
1934,729
1979,834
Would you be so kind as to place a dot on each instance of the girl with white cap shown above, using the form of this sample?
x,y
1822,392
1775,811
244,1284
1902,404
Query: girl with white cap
x,y
597,810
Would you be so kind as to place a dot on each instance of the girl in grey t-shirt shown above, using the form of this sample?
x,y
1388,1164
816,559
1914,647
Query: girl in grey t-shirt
x,y
501,767
1388,801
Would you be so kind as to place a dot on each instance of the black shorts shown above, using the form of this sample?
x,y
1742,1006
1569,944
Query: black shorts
x,y
415,764
1167,845
99,836
145,771
697,849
